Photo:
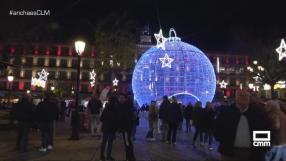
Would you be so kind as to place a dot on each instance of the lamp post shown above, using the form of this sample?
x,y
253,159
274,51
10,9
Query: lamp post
x,y
79,48
10,78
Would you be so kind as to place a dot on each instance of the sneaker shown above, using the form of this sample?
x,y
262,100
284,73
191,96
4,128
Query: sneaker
x,y
168,142
43,149
202,144
211,148
174,143
50,147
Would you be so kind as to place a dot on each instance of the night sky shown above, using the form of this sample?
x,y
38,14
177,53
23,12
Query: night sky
x,y
208,24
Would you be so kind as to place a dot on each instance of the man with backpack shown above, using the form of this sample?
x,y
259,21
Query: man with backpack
x,y
94,108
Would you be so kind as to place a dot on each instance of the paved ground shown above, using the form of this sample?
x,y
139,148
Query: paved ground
x,y
88,147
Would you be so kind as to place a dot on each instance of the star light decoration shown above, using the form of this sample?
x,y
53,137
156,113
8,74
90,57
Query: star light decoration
x,y
115,82
160,40
281,50
41,81
166,61
92,76
223,84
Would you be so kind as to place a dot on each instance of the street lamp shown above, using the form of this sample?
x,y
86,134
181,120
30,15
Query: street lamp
x,y
79,48
10,78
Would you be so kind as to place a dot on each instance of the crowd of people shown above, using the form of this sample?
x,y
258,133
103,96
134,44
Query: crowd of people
x,y
231,125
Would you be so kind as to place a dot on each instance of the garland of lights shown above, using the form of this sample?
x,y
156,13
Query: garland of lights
x,y
41,81
173,68
92,76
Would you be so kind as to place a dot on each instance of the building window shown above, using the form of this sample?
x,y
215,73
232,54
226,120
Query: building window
x,y
58,62
22,74
64,63
63,75
74,63
84,88
69,63
86,64
68,75
35,61
73,75
52,62
28,74
85,76
52,75
41,62
46,62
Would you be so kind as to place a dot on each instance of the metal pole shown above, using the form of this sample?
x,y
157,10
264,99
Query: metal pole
x,y
76,121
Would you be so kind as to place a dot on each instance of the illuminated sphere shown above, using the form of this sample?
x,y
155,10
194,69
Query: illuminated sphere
x,y
190,77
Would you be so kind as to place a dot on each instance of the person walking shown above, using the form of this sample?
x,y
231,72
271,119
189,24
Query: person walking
x,y
47,113
174,117
24,113
125,124
208,119
94,108
153,121
109,125
163,115
188,111
197,122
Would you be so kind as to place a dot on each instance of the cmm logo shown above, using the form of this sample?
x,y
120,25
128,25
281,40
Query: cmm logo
x,y
261,138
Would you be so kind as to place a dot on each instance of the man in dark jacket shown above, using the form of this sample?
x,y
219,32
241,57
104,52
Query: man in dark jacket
x,y
109,126
163,112
24,113
47,113
94,108
174,117
233,129
188,111
125,124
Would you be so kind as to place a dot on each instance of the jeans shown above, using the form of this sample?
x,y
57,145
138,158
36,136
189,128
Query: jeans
x,y
188,125
163,129
108,138
208,136
276,153
128,146
22,139
94,123
172,130
200,132
47,129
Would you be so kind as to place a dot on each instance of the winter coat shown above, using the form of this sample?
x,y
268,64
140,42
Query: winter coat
x,y
125,116
174,113
188,112
23,111
108,118
163,111
94,106
47,111
197,117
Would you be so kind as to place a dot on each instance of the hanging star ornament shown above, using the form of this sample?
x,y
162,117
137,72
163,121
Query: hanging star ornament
x,y
41,81
166,61
281,50
160,40
223,84
115,82
92,76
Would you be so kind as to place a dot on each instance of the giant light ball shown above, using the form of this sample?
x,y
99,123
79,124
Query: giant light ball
x,y
179,69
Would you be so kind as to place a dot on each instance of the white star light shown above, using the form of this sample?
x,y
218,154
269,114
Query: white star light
x,y
92,78
257,78
281,50
223,84
160,40
43,75
115,82
166,61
